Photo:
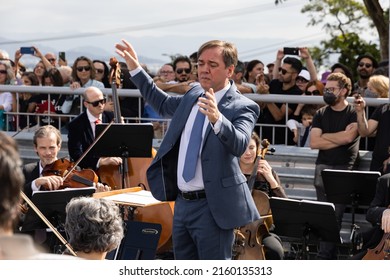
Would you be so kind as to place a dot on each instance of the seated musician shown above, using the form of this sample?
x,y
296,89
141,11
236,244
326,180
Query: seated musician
x,y
47,144
14,246
94,227
82,130
267,181
378,215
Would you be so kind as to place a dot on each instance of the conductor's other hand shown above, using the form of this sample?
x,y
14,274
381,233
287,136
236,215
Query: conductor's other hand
x,y
127,51
110,161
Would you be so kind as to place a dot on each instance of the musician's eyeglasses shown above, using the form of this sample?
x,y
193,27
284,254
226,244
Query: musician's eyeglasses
x,y
367,65
85,68
180,70
97,102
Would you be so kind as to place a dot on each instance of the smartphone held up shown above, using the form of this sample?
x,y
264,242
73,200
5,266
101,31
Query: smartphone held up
x,y
291,51
27,50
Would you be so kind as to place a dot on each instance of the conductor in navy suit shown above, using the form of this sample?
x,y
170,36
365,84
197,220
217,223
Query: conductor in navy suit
x,y
217,199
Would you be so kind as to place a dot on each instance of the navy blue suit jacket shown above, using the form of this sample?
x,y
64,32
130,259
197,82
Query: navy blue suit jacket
x,y
227,192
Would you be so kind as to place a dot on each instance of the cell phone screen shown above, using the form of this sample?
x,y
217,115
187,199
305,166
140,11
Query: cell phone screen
x,y
27,50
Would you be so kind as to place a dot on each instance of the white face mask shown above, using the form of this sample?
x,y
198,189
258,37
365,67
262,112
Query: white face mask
x,y
370,94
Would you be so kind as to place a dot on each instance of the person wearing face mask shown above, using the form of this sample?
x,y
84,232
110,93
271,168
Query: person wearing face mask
x,y
334,133
377,87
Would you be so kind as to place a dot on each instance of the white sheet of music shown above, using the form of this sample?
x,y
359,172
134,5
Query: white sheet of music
x,y
140,198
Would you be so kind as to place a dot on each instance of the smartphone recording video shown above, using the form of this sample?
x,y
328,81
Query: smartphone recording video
x,y
292,51
27,50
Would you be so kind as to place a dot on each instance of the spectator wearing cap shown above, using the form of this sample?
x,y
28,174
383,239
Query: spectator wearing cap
x,y
366,64
324,77
303,79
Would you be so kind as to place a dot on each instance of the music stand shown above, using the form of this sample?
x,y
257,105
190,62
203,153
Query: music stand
x,y
124,140
306,220
52,205
350,186
140,242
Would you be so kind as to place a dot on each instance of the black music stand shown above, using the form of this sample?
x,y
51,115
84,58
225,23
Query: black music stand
x,y
52,205
306,220
124,140
140,242
350,187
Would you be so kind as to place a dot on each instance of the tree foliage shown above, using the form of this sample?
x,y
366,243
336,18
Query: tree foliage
x,y
345,21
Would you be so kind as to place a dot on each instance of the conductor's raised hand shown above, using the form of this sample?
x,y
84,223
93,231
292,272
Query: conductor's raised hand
x,y
127,51
208,105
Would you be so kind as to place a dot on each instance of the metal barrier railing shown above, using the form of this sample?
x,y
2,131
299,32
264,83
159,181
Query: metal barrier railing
x,y
266,98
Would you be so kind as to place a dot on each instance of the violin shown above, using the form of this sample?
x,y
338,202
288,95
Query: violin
x,y
72,178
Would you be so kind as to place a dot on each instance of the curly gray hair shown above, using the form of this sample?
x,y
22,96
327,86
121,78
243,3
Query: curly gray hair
x,y
93,225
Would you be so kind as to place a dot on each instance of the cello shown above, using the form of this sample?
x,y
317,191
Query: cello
x,y
133,173
382,250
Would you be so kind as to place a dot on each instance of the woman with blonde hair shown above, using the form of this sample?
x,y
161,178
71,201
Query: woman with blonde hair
x,y
377,87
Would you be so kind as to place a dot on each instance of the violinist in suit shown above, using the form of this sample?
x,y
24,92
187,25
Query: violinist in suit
x,y
47,143
82,130
215,199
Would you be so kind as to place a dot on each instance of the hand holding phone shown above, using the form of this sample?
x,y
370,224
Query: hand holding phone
x,y
292,51
61,55
27,50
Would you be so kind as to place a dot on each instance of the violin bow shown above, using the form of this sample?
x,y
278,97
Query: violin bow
x,y
87,151
47,222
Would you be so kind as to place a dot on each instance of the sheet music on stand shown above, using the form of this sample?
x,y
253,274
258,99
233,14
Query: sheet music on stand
x,y
140,198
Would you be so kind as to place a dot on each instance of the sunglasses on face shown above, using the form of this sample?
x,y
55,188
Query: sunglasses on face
x,y
284,71
302,80
180,70
97,102
100,71
81,68
367,65
51,59
314,92
3,71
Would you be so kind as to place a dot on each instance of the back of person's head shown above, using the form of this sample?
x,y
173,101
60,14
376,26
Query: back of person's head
x,y
343,81
93,225
12,181
370,57
229,51
309,109
295,63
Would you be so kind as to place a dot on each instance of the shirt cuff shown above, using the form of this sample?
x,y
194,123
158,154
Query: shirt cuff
x,y
34,187
135,71
217,126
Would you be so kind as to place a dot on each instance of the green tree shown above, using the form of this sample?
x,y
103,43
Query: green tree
x,y
344,21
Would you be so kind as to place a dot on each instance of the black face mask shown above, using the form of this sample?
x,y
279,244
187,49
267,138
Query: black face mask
x,y
329,98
